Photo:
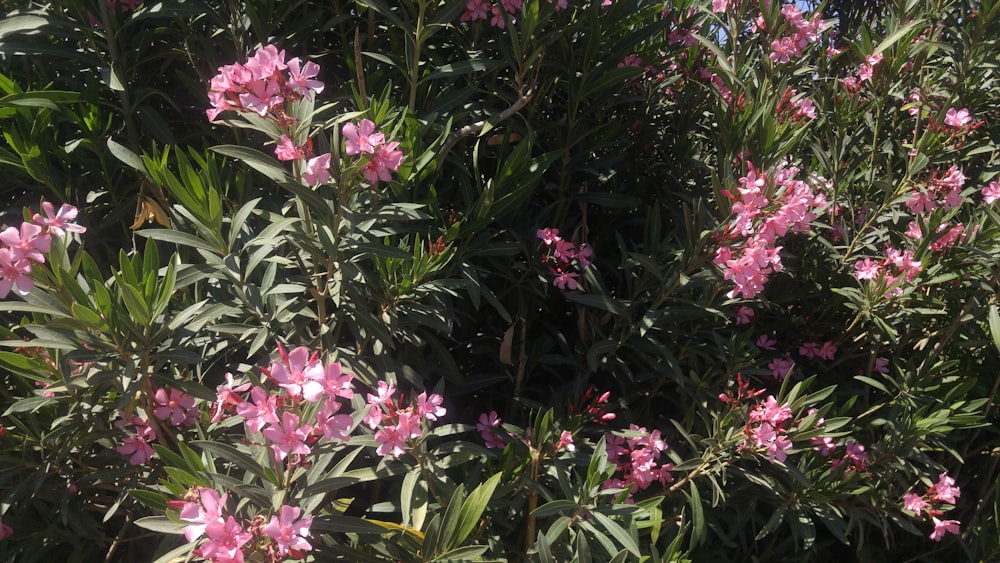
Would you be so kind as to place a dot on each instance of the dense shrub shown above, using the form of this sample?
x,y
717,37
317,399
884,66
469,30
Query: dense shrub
x,y
441,280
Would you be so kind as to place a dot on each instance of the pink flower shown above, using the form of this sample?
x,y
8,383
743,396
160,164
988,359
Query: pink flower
x,y
944,490
202,513
881,365
5,531
299,80
260,96
566,281
225,540
58,222
14,274
227,394
430,407
259,411
174,405
288,437
392,440
957,118
286,150
361,138
334,426
744,315
991,192
548,236
781,367
386,159
828,351
300,374
914,503
336,383
288,532
317,170
485,426
30,242
137,447
770,411
867,269
566,441
720,6
942,526
764,342
475,10
382,397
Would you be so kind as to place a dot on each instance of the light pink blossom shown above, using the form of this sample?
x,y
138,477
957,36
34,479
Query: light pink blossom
x,y
288,532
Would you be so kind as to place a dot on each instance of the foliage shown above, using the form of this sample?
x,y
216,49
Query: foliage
x,y
443,280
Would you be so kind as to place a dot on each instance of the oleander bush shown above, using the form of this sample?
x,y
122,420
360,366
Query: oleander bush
x,y
499,280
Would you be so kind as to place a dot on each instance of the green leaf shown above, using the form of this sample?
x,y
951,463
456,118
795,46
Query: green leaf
x,y
617,532
240,459
257,160
122,153
995,326
473,508
181,238
161,524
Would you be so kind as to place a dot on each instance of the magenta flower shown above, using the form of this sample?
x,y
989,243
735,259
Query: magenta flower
x,y
548,236
485,426
58,222
361,138
781,367
174,405
260,96
288,437
268,61
566,281
288,532
764,342
5,531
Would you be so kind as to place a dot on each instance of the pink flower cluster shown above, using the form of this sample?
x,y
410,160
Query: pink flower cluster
x,y
263,85
565,259
593,407
487,425
991,192
637,458
759,222
788,47
767,429
395,424
169,405
302,379
27,245
136,445
897,265
363,139
283,536
497,13
944,190
932,502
